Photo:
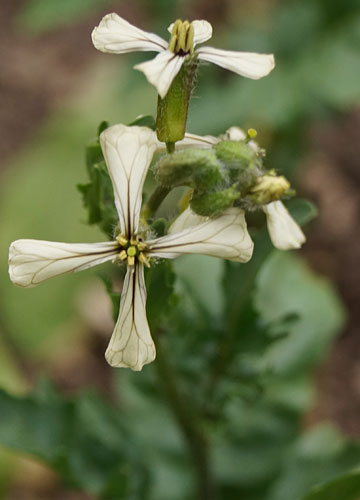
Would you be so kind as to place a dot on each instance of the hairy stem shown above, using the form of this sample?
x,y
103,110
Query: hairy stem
x,y
193,435
154,201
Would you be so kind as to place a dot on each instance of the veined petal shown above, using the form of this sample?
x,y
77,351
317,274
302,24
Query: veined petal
x,y
191,141
161,70
248,64
34,261
117,36
284,232
128,152
186,219
131,344
225,236
202,31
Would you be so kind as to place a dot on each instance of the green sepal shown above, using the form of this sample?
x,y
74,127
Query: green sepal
x,y
195,168
210,204
103,126
172,111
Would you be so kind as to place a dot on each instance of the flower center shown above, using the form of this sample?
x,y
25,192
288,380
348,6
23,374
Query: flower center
x,y
182,38
132,249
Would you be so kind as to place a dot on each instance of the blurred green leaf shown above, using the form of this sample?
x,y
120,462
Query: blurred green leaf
x,y
319,455
286,285
346,487
82,439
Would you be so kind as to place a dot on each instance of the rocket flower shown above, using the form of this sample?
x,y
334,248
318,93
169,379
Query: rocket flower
x,y
117,36
128,152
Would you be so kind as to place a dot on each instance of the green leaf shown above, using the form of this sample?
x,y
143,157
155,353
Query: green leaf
x,y
286,285
98,195
346,487
302,210
84,440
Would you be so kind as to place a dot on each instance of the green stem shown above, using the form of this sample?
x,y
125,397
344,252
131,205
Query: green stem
x,y
193,435
155,200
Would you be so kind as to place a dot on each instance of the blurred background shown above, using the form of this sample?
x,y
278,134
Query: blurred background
x,y
55,88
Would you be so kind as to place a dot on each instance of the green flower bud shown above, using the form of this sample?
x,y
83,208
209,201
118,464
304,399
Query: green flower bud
x,y
210,204
196,168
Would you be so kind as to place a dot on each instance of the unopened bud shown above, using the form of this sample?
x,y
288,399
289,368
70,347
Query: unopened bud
x,y
270,188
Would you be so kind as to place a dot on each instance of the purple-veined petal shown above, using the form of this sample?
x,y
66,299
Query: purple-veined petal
x,y
131,344
284,232
128,152
33,261
117,36
161,70
225,236
248,64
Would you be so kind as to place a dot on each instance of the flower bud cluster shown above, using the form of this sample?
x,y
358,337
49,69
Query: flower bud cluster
x,y
230,173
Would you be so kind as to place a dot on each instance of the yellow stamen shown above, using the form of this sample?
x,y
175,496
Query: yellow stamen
x,y
131,260
144,260
122,240
123,255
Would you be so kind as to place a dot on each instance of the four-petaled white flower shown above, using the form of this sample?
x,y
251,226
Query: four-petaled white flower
x,y
128,152
117,36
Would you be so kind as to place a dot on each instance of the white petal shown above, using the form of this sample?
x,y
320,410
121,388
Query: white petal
x,y
34,261
235,134
202,31
191,141
225,236
128,152
249,64
186,219
117,36
162,70
131,344
285,233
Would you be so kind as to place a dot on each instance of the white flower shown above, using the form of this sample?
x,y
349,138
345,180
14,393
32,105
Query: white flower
x,y
284,232
128,152
117,36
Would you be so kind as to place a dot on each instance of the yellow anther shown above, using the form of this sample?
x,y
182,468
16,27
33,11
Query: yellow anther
x,y
174,35
252,133
123,255
122,240
190,39
141,246
144,260
182,37
131,260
